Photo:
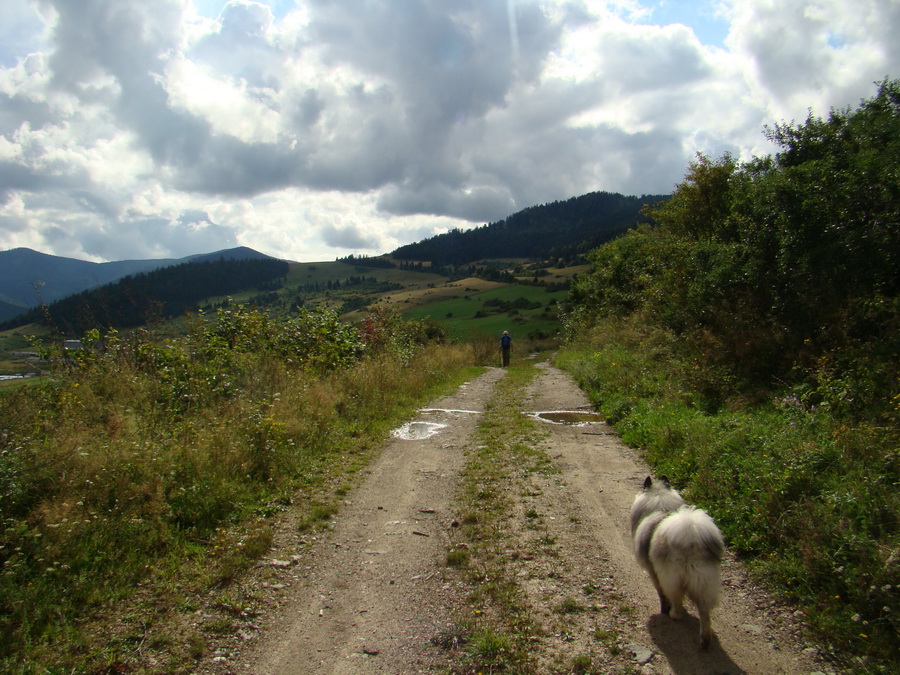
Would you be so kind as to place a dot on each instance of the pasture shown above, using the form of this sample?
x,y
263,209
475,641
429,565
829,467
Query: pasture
x,y
522,310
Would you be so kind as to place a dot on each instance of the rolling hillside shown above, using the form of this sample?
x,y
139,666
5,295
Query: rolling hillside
x,y
488,279
29,278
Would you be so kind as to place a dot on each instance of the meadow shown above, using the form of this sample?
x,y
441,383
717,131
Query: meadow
x,y
520,309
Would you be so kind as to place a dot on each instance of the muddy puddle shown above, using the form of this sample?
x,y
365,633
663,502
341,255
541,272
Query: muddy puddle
x,y
417,431
578,418
420,430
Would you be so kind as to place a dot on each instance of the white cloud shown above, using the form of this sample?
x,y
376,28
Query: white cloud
x,y
229,106
822,54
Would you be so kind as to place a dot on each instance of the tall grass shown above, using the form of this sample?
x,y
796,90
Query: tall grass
x,y
811,502
130,468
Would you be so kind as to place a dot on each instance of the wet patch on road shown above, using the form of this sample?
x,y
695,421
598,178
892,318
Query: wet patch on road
x,y
420,430
576,418
417,431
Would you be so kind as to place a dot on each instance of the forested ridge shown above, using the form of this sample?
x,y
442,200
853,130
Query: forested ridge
x,y
137,299
749,343
560,229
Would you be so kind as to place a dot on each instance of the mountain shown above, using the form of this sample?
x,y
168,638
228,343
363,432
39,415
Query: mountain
x,y
155,295
28,278
556,230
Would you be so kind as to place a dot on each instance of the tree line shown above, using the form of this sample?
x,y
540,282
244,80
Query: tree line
x,y
142,298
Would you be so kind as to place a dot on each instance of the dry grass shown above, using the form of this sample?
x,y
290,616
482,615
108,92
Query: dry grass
x,y
134,470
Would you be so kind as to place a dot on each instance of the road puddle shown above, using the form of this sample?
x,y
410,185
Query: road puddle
x,y
417,431
576,418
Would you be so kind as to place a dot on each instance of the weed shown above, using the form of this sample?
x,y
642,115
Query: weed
x,y
220,626
316,516
160,641
196,645
450,639
568,606
458,557
582,664
490,650
547,542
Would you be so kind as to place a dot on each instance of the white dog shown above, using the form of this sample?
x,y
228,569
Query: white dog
x,y
681,548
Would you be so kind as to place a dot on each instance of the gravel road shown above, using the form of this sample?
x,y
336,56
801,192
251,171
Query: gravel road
x,y
372,593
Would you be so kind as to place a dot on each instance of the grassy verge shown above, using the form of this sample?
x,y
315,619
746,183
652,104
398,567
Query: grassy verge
x,y
499,633
134,486
810,502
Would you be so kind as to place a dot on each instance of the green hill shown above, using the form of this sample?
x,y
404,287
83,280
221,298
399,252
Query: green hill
x,y
565,229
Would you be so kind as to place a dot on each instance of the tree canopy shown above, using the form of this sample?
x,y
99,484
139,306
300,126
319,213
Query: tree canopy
x,y
781,265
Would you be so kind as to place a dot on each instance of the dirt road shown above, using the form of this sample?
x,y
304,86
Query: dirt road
x,y
373,594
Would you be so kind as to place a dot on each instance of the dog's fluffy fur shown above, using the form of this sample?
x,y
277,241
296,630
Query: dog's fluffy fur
x,y
681,548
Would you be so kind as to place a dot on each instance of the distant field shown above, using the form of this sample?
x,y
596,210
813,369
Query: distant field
x,y
556,275
301,273
13,342
469,313
323,273
439,292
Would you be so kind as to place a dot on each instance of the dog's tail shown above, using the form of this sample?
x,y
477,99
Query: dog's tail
x,y
687,548
690,528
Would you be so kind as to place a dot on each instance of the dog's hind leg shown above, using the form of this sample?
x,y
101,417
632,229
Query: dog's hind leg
x,y
664,604
706,632
676,595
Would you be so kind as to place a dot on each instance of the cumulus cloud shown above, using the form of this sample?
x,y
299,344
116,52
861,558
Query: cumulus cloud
x,y
158,238
347,237
804,54
130,129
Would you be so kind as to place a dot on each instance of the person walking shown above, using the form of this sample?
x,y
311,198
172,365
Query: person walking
x,y
505,348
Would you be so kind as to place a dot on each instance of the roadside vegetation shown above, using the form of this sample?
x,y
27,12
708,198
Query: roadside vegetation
x,y
145,473
750,345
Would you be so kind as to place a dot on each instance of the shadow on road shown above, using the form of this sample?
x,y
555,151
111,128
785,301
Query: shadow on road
x,y
679,642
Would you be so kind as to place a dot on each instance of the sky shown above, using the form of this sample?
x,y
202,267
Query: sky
x,y
315,129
